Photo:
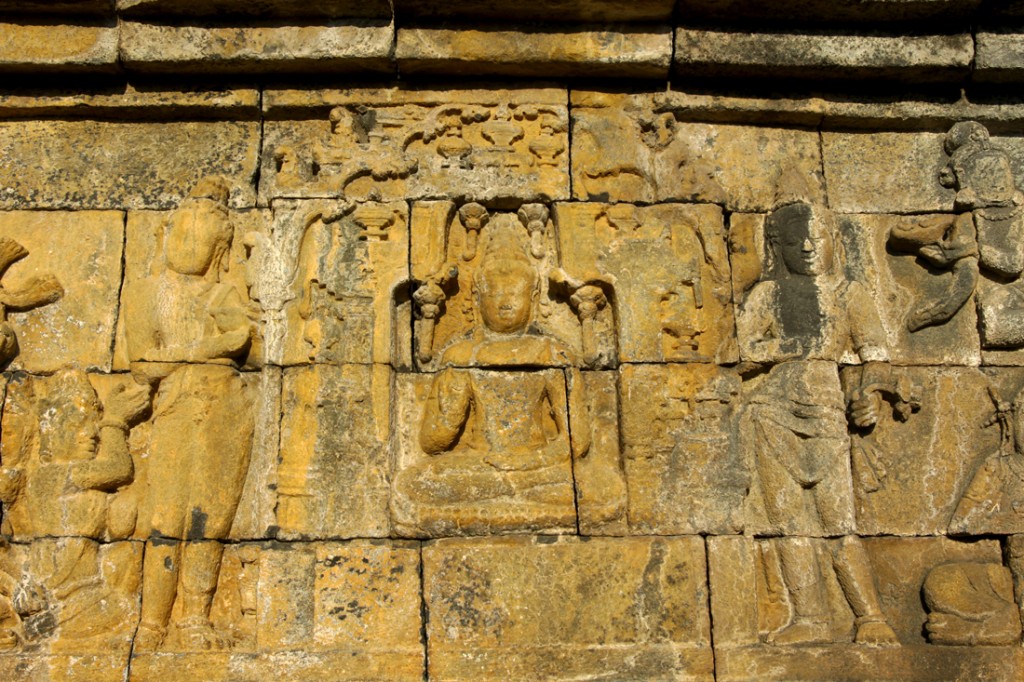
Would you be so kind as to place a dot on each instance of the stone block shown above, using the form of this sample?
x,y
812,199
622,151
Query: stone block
x,y
887,172
682,467
630,151
831,11
594,11
334,9
62,296
526,608
910,476
490,479
67,48
148,237
36,7
615,51
599,475
90,164
678,307
68,606
912,300
748,630
401,144
565,317
339,611
1000,55
714,53
129,101
335,427
360,47
332,282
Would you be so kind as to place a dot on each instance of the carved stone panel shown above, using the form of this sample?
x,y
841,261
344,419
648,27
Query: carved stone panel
x,y
526,607
683,469
331,610
398,144
67,608
59,295
751,608
923,286
910,476
633,149
670,269
333,477
464,257
505,466
331,281
221,310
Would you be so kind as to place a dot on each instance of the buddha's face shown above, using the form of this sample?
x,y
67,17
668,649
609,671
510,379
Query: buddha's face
x,y
506,291
803,240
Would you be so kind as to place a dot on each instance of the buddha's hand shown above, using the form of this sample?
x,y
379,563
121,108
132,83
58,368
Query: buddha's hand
x,y
454,393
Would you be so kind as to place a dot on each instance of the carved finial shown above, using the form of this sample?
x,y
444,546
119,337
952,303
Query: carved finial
x,y
534,218
474,217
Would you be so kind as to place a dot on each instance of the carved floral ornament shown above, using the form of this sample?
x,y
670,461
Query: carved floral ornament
x,y
482,366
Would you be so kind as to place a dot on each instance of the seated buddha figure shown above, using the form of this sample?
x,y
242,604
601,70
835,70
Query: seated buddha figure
x,y
495,423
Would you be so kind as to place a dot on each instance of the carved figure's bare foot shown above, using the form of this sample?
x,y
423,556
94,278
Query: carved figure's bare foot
x,y
149,637
876,633
801,631
200,637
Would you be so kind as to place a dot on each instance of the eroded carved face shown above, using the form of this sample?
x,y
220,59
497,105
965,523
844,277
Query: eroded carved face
x,y
506,291
803,240
69,421
8,343
197,236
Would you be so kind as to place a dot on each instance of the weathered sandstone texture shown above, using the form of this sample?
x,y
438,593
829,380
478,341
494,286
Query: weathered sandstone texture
x,y
576,340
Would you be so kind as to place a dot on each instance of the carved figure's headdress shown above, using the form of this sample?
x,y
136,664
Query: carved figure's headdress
x,y
505,253
793,186
963,133
506,245
213,187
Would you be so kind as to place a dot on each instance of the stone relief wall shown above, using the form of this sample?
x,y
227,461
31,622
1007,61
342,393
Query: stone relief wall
x,y
518,379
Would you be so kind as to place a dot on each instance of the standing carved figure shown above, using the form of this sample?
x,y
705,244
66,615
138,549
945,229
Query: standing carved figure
x,y
187,336
801,317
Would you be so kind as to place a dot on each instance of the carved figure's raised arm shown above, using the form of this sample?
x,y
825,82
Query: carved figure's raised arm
x,y
112,467
446,411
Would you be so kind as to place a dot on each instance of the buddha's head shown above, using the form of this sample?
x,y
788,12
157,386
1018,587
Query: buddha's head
x,y
506,283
